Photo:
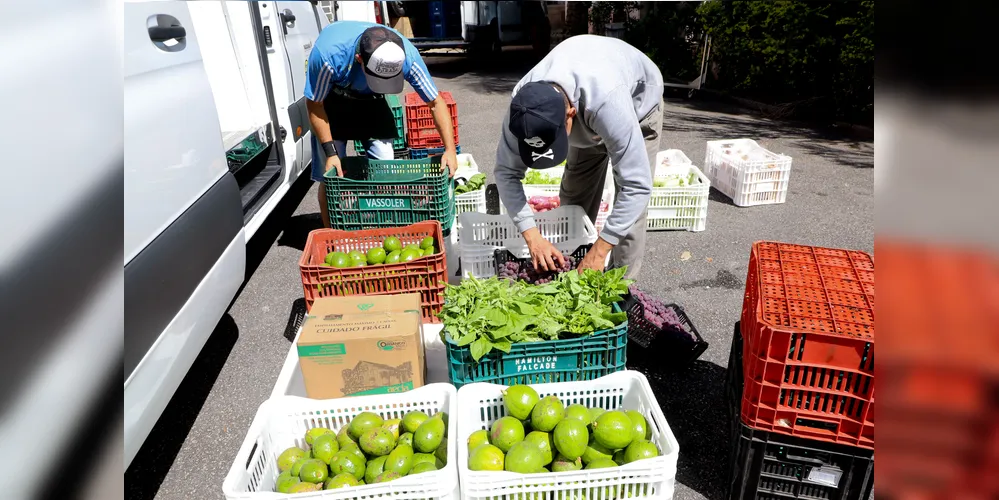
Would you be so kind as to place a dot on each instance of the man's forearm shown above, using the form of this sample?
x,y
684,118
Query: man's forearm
x,y
442,119
319,122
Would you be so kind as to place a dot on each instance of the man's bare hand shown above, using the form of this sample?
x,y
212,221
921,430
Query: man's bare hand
x,y
334,162
544,255
596,257
449,162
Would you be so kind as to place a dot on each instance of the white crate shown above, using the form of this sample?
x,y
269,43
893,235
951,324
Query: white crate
x,y
671,157
479,405
281,423
678,207
474,201
746,172
567,227
553,190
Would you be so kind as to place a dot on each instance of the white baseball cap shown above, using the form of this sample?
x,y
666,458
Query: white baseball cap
x,y
383,57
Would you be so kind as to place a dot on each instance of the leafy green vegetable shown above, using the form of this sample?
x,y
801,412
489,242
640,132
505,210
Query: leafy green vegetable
x,y
474,183
676,180
495,313
537,177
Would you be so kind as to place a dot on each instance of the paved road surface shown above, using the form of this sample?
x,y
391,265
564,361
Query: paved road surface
x,y
831,203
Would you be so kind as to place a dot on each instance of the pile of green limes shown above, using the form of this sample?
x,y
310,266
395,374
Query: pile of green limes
x,y
543,435
390,252
367,450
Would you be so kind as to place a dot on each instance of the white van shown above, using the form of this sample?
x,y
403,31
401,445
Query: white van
x,y
216,132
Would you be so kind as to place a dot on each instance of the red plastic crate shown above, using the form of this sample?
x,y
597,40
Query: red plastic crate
x,y
421,132
808,342
426,275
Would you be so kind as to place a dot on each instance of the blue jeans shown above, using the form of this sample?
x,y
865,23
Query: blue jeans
x,y
376,149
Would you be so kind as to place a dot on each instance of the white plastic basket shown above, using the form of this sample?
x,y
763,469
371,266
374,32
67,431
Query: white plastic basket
x,y
567,227
281,423
678,207
479,405
671,157
746,172
474,201
553,190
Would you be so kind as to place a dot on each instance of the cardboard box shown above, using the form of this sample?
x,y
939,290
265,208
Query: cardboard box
x,y
403,26
366,344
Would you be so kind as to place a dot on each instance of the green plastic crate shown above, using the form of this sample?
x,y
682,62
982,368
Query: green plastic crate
x,y
399,142
376,194
569,360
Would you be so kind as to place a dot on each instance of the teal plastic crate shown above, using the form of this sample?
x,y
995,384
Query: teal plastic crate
x,y
569,360
376,194
399,141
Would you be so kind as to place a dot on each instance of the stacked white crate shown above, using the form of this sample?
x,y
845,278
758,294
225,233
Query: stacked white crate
x,y
678,207
746,172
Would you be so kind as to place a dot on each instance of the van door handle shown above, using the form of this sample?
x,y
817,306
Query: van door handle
x,y
164,33
287,17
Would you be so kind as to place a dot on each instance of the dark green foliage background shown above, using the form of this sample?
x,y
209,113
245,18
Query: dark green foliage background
x,y
817,58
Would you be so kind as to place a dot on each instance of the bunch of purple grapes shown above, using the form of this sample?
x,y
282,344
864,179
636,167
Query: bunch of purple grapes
x,y
657,313
524,271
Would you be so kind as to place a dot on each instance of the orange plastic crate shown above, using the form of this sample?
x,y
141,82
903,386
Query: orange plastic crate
x,y
421,132
426,275
808,343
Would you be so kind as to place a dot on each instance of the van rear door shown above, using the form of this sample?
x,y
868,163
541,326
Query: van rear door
x,y
290,29
301,29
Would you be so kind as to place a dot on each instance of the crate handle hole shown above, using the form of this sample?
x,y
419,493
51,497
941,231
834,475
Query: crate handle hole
x,y
249,457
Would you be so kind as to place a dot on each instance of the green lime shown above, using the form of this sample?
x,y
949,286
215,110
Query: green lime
x,y
613,430
342,480
285,481
289,457
412,246
376,255
392,244
324,447
477,438
519,401
410,254
329,258
486,457
340,260
357,258
422,467
313,471
427,242
393,257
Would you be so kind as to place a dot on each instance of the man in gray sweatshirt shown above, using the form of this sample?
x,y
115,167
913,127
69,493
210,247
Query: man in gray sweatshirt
x,y
591,99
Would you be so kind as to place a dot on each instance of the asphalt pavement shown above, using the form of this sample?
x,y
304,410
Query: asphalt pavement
x,y
830,203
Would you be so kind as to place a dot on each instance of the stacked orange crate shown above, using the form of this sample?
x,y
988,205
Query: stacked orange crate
x,y
421,131
808,343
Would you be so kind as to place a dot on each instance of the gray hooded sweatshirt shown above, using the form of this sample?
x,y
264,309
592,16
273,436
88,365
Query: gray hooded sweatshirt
x,y
613,86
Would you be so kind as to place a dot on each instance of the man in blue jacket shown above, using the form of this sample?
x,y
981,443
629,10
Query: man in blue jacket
x,y
350,69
